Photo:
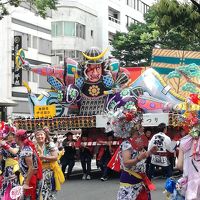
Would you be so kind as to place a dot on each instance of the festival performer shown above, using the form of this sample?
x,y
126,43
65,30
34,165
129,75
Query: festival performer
x,y
188,187
52,173
134,184
11,171
30,166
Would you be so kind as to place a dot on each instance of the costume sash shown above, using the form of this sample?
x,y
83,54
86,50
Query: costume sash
x,y
58,174
129,177
12,162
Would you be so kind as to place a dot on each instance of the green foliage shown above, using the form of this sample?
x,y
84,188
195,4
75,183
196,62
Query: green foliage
x,y
136,45
169,24
41,6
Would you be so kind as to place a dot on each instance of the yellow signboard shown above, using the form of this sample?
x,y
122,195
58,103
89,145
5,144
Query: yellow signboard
x,y
45,111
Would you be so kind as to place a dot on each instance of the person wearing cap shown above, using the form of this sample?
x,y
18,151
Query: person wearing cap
x,y
52,173
30,166
11,170
105,153
68,159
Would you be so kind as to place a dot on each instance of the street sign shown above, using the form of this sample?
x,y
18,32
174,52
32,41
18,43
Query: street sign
x,y
154,119
45,111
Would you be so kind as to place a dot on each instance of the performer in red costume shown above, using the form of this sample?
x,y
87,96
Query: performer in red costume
x,y
30,166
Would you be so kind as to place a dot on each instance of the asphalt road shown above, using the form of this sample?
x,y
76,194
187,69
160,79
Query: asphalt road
x,y
77,189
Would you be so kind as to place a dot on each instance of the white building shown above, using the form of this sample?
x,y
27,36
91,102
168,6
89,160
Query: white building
x,y
36,41
78,25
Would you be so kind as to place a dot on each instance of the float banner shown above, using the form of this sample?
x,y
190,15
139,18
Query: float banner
x,y
17,72
154,119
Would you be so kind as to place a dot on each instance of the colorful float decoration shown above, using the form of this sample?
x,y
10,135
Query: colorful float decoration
x,y
97,86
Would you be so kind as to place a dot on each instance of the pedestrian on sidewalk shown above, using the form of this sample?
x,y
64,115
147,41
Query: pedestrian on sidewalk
x,y
161,158
68,159
105,153
86,154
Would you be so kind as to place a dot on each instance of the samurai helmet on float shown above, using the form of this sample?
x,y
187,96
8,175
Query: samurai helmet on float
x,y
94,55
93,64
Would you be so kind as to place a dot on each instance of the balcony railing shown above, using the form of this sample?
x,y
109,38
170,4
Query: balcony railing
x,y
117,21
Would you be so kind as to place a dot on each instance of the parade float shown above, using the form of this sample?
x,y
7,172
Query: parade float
x,y
99,86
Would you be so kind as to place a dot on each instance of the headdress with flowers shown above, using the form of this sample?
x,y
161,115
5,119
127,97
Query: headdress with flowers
x,y
6,128
122,121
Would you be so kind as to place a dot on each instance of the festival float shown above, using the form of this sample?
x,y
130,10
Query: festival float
x,y
99,86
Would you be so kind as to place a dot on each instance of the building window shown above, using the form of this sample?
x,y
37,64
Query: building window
x,y
45,46
80,30
29,40
57,28
62,28
35,42
53,29
69,29
145,8
138,5
92,33
114,15
130,20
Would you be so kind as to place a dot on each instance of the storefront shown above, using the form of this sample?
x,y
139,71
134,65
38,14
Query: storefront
x,y
4,103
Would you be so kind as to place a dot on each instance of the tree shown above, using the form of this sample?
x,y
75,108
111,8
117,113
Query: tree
x,y
169,24
41,6
137,44
196,4
188,72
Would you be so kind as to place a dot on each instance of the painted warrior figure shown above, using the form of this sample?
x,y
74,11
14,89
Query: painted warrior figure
x,y
91,83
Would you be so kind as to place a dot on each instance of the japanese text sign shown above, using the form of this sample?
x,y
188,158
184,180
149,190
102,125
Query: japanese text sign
x,y
44,111
154,119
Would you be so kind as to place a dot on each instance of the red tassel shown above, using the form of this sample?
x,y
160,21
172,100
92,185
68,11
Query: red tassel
x,y
32,192
147,182
143,195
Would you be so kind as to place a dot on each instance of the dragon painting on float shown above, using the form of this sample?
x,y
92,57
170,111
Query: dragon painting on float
x,y
97,85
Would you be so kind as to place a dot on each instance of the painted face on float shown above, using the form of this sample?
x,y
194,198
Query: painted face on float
x,y
94,72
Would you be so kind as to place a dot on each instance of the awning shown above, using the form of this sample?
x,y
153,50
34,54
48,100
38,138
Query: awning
x,y
7,102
